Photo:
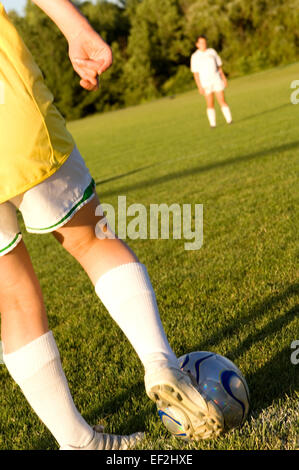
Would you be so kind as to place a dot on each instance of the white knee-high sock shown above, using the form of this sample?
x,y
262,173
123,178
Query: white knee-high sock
x,y
211,116
227,114
127,293
37,369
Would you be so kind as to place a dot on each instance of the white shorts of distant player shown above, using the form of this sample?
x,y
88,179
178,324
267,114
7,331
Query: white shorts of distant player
x,y
214,85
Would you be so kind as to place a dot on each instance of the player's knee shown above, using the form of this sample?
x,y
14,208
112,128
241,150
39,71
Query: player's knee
x,y
20,294
77,244
89,226
13,269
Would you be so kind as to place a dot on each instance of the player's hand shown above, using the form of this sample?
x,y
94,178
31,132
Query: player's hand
x,y
201,91
90,56
224,82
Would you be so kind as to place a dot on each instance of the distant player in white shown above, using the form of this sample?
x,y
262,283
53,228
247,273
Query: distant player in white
x,y
206,65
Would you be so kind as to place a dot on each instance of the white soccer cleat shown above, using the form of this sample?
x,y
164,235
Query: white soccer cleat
x,y
169,387
103,441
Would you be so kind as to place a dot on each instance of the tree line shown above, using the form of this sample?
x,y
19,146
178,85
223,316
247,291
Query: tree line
x,y
152,41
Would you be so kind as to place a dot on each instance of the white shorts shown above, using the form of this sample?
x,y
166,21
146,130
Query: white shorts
x,y
48,205
215,85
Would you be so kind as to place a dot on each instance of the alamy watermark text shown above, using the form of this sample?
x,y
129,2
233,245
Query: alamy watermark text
x,y
295,94
158,222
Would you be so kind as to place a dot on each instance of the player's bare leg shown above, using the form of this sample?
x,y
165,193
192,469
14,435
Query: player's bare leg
x,y
32,358
23,314
224,106
211,109
96,256
123,285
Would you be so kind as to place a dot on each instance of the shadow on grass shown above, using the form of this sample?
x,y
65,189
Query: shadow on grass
x,y
124,175
267,111
149,183
46,442
278,376
256,312
109,407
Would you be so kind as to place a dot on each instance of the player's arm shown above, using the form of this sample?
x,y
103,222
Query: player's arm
x,y
222,75
220,69
198,83
89,53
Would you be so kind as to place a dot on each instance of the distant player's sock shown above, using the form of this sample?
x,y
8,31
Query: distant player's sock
x,y
211,116
227,114
37,369
127,293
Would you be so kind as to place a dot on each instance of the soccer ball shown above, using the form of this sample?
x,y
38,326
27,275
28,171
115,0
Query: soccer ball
x,y
218,380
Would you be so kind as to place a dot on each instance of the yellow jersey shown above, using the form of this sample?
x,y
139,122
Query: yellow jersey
x,y
34,141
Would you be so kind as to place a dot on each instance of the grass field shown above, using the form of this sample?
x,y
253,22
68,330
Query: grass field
x,y
237,295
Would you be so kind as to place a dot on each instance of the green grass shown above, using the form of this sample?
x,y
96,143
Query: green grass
x,y
237,296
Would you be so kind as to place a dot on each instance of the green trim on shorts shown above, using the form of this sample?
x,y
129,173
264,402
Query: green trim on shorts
x,y
12,243
87,194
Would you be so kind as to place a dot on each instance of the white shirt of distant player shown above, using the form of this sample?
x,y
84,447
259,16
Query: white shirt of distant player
x,y
206,63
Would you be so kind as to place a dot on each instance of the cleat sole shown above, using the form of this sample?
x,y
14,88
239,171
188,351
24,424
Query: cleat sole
x,y
204,419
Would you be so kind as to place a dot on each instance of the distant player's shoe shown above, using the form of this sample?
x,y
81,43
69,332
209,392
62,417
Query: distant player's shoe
x,y
103,441
169,387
